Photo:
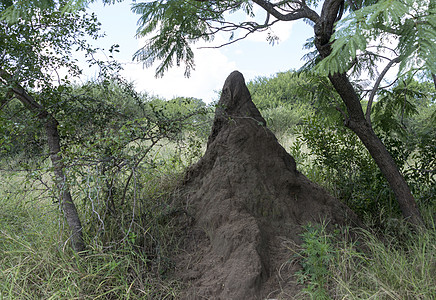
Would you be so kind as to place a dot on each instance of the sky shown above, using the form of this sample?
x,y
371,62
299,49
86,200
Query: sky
x,y
253,57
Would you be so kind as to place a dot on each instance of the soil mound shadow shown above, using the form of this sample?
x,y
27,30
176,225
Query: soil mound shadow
x,y
248,202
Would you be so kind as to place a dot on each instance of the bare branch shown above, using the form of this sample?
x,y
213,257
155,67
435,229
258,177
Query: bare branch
x,y
304,12
228,43
352,5
383,47
250,31
434,79
383,87
376,86
23,96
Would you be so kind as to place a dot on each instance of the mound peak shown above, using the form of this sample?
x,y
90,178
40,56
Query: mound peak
x,y
248,202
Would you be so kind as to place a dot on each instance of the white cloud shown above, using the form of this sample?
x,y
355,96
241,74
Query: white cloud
x,y
212,68
212,65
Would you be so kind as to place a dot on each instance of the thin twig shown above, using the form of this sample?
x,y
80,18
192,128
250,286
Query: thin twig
x,y
376,86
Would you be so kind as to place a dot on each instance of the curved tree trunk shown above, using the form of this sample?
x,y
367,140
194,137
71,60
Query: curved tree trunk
x,y
359,125
68,207
53,139
356,121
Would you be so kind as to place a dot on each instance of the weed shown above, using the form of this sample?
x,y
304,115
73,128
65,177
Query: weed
x,y
373,265
315,257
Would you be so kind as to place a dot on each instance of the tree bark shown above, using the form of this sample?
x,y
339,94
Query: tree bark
x,y
67,204
54,145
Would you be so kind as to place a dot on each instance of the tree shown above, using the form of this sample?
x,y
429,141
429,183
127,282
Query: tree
x,y
176,24
113,140
101,135
34,50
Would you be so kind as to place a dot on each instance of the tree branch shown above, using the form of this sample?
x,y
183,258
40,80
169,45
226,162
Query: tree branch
x,y
304,12
228,43
376,86
23,96
324,27
434,79
250,31
353,5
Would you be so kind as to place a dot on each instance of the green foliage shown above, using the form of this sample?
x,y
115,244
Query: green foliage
x,y
281,89
33,51
111,137
12,11
395,263
33,57
283,119
316,255
117,143
333,156
20,136
337,159
35,264
181,23
344,166
124,155
122,151
286,99
411,25
387,268
405,118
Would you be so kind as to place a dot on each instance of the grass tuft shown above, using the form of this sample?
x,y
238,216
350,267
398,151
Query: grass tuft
x,y
35,262
387,269
371,266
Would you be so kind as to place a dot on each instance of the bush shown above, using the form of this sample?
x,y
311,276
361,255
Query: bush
x,y
340,162
127,257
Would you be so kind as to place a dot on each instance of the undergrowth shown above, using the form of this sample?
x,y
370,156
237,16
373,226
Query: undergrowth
x,y
371,265
316,256
36,261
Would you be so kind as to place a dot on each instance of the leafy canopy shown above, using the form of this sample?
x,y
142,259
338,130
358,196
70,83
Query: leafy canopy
x,y
36,58
14,10
177,24
365,33
406,28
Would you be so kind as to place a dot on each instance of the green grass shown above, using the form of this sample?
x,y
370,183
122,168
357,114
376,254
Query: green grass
x,y
130,258
37,263
372,266
388,269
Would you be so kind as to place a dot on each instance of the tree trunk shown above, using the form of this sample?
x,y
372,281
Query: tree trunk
x,y
68,207
324,28
359,125
51,128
